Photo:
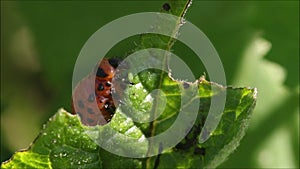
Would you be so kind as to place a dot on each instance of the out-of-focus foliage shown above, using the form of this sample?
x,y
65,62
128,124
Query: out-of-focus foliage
x,y
41,40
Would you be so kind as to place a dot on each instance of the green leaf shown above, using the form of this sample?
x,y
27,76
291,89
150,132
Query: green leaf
x,y
189,153
27,159
61,144
64,142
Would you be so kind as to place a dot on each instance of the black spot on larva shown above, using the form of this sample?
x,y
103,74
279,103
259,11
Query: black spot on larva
x,y
79,114
101,73
80,104
89,120
186,85
90,111
200,151
131,83
114,62
166,6
108,84
91,98
100,87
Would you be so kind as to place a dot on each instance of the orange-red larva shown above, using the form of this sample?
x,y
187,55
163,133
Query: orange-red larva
x,y
85,95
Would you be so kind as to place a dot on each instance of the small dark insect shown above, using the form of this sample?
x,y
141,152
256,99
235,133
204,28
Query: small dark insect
x,y
186,85
166,6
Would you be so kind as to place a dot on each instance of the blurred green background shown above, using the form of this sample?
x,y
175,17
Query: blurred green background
x,y
258,43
